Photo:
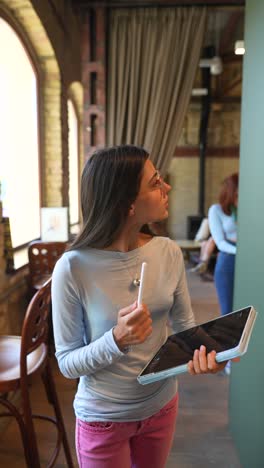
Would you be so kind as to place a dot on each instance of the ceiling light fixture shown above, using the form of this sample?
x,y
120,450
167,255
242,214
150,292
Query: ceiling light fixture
x,y
215,64
239,47
199,92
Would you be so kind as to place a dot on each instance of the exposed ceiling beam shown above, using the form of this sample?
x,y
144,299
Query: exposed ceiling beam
x,y
227,33
155,3
231,57
219,99
232,85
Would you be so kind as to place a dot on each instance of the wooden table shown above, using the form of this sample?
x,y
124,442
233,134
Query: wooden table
x,y
188,246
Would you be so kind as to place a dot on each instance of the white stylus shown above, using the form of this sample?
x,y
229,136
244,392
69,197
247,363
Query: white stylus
x,y
142,281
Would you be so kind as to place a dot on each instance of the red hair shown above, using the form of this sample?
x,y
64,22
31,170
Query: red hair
x,y
228,193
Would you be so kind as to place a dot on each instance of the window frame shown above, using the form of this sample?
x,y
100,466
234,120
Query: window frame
x,y
70,97
39,74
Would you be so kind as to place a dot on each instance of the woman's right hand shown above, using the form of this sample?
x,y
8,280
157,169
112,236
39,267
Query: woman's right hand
x,y
134,325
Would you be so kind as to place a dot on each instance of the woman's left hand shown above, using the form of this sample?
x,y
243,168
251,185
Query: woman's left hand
x,y
203,363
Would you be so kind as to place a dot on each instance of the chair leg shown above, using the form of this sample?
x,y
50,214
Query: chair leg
x,y
13,411
49,384
28,420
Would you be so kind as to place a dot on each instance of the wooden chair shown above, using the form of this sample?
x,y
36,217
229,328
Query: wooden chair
x,y
21,357
42,257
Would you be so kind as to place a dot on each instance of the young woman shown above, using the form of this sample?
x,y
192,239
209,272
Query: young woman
x,y
101,334
223,226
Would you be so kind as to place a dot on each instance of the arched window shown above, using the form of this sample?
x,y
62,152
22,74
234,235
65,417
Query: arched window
x,y
19,148
73,164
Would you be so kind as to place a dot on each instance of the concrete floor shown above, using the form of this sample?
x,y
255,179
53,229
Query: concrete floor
x,y
201,438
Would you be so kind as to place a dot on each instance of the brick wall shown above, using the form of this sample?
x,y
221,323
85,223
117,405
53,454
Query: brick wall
x,y
93,62
183,198
221,160
53,43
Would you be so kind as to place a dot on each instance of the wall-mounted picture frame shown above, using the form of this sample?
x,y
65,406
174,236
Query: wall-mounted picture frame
x,y
54,224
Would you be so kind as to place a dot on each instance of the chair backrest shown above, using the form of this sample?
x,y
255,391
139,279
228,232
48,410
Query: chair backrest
x,y
42,257
36,324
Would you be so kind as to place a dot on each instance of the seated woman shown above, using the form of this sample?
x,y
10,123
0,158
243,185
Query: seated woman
x,y
207,249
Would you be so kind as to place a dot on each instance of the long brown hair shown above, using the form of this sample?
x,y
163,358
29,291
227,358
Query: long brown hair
x,y
110,184
228,193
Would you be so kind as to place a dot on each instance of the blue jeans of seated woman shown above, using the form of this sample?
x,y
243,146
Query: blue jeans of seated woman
x,y
224,281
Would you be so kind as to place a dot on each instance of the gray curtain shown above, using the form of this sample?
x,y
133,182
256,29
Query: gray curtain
x,y
153,59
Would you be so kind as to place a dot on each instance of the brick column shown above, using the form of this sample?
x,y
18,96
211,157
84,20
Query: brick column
x,y
2,259
65,144
93,79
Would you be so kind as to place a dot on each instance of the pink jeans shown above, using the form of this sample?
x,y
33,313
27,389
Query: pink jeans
x,y
137,444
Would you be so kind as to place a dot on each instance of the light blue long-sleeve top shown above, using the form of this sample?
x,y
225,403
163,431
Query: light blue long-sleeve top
x,y
223,229
89,287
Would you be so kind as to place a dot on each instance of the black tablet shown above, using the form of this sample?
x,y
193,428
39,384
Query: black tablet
x,y
228,335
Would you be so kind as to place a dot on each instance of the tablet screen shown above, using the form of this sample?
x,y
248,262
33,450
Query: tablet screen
x,y
219,335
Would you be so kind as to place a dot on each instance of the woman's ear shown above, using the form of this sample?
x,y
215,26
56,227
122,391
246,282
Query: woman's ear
x,y
132,210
